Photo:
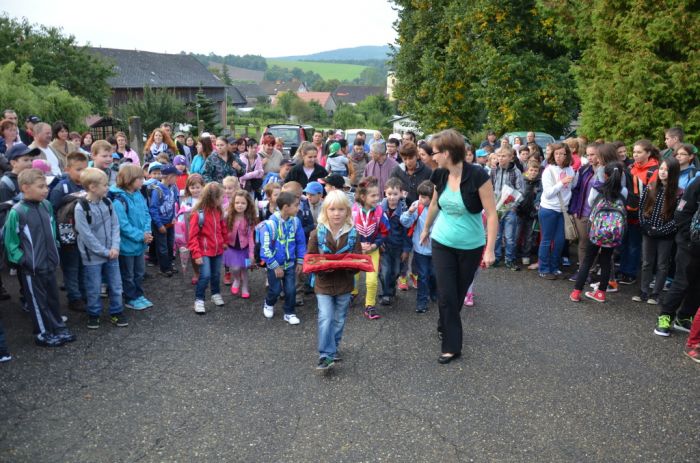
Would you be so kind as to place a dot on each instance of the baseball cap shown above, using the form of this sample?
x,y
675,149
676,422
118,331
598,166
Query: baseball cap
x,y
115,156
313,188
19,150
154,166
179,134
334,148
287,162
335,180
168,170
179,160
33,119
480,153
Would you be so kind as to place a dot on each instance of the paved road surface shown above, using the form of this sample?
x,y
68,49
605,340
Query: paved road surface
x,y
542,379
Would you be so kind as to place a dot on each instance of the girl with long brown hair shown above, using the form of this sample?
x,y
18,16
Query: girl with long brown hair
x,y
239,254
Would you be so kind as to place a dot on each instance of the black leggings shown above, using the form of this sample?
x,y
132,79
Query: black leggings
x,y
593,251
454,272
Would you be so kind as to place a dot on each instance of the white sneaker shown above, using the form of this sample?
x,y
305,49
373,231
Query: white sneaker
x,y
199,307
526,261
64,318
217,300
292,319
268,310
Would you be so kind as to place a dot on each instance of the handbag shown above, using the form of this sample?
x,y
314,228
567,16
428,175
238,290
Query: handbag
x,y
570,230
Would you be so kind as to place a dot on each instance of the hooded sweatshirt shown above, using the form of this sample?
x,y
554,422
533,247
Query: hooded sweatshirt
x,y
30,237
97,238
134,221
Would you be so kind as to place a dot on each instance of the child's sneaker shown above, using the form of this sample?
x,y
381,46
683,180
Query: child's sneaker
x,y
641,297
565,262
598,296
48,340
612,286
663,326
469,300
146,303
683,324
235,290
93,323
268,310
385,300
403,283
324,363
534,266
119,320
371,313
199,307
526,261
166,273
292,319
413,279
421,309
217,300
653,300
245,295
575,295
227,278
512,265
692,352
194,281
5,357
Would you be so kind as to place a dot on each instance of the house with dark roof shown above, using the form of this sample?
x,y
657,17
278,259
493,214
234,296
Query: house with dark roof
x,y
181,73
353,94
235,97
253,93
240,74
273,88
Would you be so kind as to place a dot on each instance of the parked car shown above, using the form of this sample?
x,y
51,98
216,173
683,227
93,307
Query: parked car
x,y
350,135
542,139
292,134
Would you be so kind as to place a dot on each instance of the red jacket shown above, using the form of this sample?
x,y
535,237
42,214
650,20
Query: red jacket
x,y
210,239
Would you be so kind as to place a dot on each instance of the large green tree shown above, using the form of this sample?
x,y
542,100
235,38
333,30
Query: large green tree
x,y
156,105
57,58
636,64
474,63
203,109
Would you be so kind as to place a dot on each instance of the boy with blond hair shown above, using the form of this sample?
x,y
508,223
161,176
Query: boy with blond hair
x,y
30,242
98,241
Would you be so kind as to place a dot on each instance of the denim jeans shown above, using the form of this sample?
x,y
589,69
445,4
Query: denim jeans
x,y
3,342
508,227
73,274
275,285
631,251
165,243
132,269
552,243
427,286
389,268
93,280
209,273
332,311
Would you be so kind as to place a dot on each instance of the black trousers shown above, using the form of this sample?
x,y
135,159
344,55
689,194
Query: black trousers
x,y
604,256
41,292
677,292
454,272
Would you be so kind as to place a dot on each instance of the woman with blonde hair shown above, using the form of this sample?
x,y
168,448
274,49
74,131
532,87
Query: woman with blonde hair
x,y
335,234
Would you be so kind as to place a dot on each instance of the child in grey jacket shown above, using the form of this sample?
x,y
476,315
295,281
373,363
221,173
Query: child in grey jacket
x,y
98,241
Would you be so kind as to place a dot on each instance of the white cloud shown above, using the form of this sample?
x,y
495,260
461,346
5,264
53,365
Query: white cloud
x,y
269,28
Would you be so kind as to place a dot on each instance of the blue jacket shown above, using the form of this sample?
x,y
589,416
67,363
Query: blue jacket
x,y
134,220
282,243
398,234
407,219
686,176
61,190
306,217
162,204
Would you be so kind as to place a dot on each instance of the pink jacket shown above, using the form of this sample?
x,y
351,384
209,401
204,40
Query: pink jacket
x,y
246,238
254,171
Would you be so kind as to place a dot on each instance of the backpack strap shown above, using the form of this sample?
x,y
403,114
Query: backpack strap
x,y
85,204
321,232
8,182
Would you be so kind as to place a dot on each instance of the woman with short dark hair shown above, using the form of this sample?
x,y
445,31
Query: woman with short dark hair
x,y
60,144
462,192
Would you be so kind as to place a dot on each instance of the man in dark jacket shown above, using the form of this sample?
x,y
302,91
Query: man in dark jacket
x,y
412,172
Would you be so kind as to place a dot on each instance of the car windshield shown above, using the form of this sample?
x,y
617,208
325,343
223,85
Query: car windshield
x,y
288,134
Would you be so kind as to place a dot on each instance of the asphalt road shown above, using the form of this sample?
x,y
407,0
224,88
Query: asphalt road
x,y
541,379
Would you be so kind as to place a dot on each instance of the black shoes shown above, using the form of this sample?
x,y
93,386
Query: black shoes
x,y
445,359
385,300
48,340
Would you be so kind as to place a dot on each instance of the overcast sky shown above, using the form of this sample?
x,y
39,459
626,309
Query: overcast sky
x,y
266,27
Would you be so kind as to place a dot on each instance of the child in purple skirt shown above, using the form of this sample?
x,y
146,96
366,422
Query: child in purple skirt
x,y
240,247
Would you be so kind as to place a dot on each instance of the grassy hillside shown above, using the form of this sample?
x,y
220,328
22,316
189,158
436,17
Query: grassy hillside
x,y
325,70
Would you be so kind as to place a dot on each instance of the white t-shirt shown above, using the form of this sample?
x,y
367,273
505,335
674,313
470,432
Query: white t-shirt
x,y
52,159
308,172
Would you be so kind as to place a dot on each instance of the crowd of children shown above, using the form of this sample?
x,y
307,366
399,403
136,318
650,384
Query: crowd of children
x,y
108,217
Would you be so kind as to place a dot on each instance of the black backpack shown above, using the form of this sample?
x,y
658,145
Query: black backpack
x,y
65,216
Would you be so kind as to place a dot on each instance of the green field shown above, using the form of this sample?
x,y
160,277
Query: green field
x,y
325,70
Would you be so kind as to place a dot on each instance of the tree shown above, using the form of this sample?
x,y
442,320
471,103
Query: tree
x,y
325,85
347,117
285,101
636,65
53,103
203,109
470,63
372,76
156,105
57,58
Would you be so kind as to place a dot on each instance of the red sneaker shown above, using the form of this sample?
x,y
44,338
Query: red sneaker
x,y
403,283
575,295
227,278
245,295
693,353
598,296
